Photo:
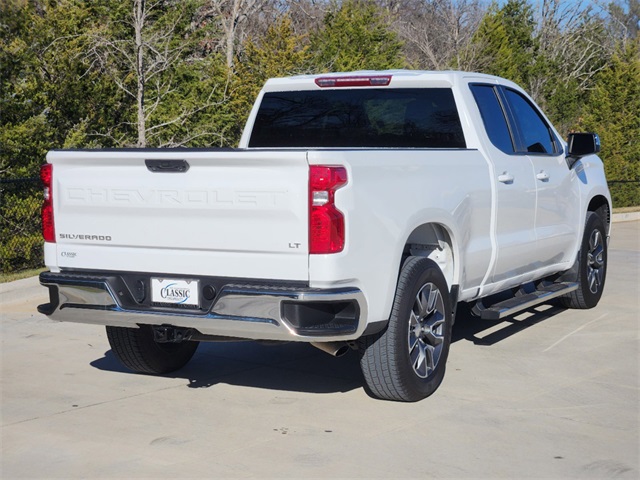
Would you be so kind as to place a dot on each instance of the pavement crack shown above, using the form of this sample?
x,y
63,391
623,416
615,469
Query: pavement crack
x,y
575,331
91,405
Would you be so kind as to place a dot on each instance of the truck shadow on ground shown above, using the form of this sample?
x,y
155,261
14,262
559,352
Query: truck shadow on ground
x,y
490,332
291,366
300,367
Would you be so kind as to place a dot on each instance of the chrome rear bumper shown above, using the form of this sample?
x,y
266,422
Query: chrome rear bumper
x,y
267,312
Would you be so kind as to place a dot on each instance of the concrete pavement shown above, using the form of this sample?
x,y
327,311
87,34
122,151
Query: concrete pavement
x,y
552,393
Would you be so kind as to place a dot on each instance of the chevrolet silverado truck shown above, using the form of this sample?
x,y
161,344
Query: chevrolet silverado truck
x,y
357,212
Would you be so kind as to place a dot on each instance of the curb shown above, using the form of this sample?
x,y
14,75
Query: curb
x,y
20,290
625,217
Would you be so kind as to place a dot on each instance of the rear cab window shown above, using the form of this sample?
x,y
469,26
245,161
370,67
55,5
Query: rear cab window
x,y
358,118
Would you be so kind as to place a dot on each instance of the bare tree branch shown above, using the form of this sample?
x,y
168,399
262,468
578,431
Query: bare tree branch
x,y
436,32
143,65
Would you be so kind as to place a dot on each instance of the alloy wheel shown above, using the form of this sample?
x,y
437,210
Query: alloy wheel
x,y
426,330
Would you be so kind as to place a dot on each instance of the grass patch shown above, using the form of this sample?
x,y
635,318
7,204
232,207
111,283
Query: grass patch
x,y
10,277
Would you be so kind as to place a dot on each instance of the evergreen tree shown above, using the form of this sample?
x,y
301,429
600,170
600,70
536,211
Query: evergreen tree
x,y
504,44
613,112
356,36
278,54
48,91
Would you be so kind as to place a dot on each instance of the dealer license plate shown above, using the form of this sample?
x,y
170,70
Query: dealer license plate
x,y
175,292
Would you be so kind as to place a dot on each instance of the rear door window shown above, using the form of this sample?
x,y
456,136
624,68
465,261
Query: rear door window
x,y
360,118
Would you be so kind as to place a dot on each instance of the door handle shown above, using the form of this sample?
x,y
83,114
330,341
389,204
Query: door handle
x,y
543,176
161,166
506,177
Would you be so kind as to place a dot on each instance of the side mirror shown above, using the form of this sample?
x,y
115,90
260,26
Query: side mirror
x,y
580,145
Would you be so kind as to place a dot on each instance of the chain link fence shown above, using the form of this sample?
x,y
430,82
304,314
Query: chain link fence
x,y
20,236
21,198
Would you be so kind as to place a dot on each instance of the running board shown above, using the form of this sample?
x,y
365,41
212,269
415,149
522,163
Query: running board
x,y
514,305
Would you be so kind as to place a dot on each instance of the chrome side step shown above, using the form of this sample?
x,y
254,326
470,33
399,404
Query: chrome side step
x,y
516,304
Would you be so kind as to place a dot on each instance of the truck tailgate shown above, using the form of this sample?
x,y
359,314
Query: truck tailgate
x,y
233,213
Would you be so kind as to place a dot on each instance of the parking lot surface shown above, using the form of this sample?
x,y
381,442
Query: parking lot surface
x,y
552,393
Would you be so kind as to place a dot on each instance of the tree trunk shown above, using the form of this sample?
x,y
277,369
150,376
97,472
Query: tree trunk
x,y
232,25
138,24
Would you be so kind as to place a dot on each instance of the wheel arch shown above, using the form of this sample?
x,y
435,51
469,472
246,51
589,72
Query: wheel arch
x,y
600,205
436,241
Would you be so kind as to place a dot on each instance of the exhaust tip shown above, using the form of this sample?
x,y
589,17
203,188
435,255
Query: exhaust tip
x,y
335,349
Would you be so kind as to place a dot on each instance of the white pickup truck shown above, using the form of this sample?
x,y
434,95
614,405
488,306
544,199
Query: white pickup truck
x,y
357,212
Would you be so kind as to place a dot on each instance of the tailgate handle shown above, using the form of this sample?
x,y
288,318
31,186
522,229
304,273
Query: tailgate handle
x,y
169,166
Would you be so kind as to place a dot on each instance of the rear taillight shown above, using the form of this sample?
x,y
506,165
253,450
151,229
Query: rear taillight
x,y
326,222
48,230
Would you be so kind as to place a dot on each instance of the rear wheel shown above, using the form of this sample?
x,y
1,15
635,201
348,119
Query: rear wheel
x,y
138,351
592,265
406,361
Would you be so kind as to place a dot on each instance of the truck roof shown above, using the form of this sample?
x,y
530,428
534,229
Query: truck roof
x,y
398,78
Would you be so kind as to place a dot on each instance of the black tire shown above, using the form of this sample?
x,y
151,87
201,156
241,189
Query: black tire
x,y
592,265
138,351
406,361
